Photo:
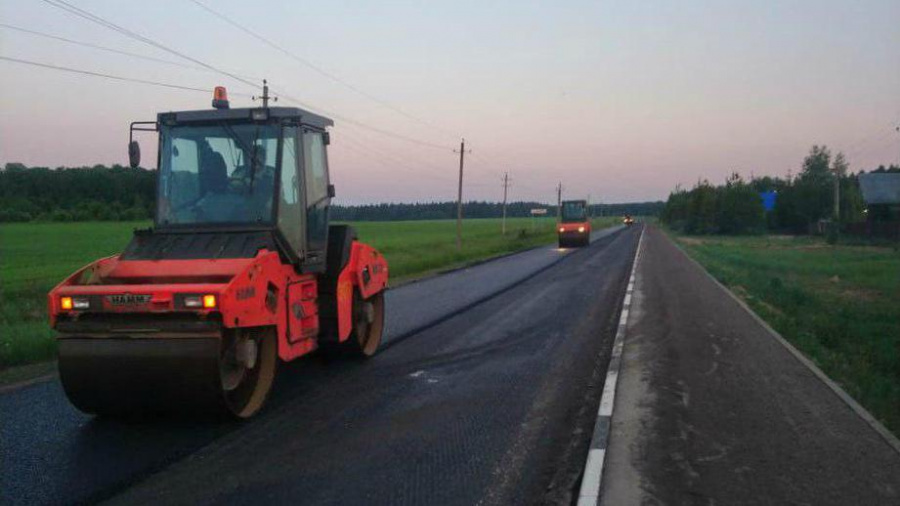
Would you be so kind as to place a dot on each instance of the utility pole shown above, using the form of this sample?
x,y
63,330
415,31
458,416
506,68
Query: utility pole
x,y
505,188
265,96
839,167
559,202
462,157
837,195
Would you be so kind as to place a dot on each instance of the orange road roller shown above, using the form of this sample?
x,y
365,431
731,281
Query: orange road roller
x,y
240,271
574,228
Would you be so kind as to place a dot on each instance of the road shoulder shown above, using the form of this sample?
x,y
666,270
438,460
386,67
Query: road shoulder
x,y
712,409
20,376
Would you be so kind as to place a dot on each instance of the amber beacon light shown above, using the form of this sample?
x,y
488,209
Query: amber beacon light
x,y
220,98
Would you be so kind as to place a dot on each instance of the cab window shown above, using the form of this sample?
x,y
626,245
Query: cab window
x,y
290,207
316,170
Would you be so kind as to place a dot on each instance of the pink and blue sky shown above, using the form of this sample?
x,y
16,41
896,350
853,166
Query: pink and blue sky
x,y
618,100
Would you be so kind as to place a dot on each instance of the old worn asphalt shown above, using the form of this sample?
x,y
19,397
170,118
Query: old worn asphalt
x,y
483,392
713,409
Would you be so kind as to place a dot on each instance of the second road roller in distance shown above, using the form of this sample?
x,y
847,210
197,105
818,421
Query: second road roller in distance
x,y
240,271
574,227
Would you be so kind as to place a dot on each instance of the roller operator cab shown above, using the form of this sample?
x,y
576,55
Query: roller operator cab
x,y
574,228
240,271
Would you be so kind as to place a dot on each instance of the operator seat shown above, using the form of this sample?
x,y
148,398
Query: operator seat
x,y
213,174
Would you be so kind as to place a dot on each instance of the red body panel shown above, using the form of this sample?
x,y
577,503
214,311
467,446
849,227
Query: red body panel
x,y
250,292
367,271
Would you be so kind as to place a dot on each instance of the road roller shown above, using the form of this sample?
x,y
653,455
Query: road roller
x,y
574,226
240,272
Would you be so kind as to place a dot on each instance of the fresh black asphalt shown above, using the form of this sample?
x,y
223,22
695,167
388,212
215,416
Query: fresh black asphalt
x,y
481,400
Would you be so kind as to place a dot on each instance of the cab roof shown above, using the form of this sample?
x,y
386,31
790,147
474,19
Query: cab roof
x,y
250,113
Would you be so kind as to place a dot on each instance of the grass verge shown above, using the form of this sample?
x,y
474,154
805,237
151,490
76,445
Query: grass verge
x,y
835,303
36,256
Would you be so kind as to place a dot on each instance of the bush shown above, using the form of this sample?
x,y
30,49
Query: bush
x,y
60,215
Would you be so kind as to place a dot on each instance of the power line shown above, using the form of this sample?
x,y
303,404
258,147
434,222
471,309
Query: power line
x,y
104,48
100,74
365,155
316,68
63,5
437,169
397,161
359,124
394,161
84,14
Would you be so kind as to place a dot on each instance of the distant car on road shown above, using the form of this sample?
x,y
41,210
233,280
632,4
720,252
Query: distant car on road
x,y
628,220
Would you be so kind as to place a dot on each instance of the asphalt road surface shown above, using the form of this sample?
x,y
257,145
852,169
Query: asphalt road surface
x,y
484,393
712,409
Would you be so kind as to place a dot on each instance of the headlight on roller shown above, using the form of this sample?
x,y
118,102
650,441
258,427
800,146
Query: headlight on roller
x,y
561,229
76,303
581,230
207,301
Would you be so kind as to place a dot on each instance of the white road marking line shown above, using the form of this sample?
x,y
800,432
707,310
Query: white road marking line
x,y
589,494
609,395
593,469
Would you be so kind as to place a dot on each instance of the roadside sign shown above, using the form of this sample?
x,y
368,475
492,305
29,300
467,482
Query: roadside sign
x,y
537,212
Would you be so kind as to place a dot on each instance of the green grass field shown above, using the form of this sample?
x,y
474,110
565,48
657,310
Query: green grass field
x,y
837,304
36,256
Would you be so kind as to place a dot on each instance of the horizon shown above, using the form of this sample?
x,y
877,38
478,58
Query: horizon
x,y
622,103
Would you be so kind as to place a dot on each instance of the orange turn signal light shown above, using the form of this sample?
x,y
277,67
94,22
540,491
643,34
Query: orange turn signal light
x,y
65,303
209,301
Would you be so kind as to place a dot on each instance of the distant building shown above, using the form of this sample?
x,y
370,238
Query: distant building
x,y
881,193
880,188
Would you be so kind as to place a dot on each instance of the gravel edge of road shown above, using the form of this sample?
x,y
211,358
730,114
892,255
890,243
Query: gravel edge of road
x,y
857,408
20,376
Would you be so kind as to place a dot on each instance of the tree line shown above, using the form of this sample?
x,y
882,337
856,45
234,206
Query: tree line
x,y
101,193
76,194
800,203
447,210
